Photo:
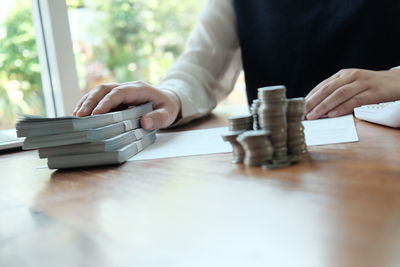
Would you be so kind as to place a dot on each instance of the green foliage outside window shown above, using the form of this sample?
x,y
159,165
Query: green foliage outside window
x,y
134,39
123,40
20,83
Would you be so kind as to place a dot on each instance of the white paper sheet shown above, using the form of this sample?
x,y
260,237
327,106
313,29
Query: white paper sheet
x,y
209,141
330,131
188,143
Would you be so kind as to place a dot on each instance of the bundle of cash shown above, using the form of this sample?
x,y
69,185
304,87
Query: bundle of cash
x,y
71,142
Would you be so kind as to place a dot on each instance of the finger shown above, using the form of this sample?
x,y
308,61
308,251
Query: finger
x,y
78,106
156,119
338,97
326,91
320,85
348,106
128,94
323,83
93,98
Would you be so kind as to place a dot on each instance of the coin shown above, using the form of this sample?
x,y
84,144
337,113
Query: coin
x,y
272,135
237,150
257,146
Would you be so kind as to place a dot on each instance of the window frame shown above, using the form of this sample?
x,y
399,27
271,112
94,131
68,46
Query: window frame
x,y
56,56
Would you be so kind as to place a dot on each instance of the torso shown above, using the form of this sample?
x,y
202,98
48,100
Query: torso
x,y
301,43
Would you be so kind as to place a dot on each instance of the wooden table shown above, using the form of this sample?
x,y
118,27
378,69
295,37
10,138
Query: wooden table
x,y
339,207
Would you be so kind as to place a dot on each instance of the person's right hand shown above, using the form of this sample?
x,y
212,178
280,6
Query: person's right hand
x,y
107,97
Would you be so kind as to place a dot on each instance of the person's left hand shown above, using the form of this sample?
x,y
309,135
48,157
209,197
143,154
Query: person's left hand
x,y
351,88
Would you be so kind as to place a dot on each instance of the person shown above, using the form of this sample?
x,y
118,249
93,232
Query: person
x,y
344,51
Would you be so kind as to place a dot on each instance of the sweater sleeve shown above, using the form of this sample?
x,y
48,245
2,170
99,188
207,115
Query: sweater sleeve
x,y
207,70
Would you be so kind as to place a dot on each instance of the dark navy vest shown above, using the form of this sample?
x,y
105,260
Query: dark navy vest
x,y
299,43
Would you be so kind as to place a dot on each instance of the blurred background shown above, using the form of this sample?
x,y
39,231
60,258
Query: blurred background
x,y
113,40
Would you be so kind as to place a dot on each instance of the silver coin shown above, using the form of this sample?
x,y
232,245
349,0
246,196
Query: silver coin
x,y
275,166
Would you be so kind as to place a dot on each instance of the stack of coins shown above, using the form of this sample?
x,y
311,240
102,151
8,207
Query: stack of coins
x,y
240,123
295,138
257,147
272,117
273,135
237,149
254,112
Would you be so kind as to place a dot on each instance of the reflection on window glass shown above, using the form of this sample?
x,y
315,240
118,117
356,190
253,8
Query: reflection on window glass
x,y
125,40
20,82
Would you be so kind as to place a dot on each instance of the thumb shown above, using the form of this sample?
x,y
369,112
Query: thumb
x,y
156,119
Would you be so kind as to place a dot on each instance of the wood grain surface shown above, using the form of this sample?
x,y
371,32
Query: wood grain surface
x,y
340,206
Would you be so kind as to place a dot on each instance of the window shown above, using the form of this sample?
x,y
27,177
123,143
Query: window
x,y
125,40
20,80
73,45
